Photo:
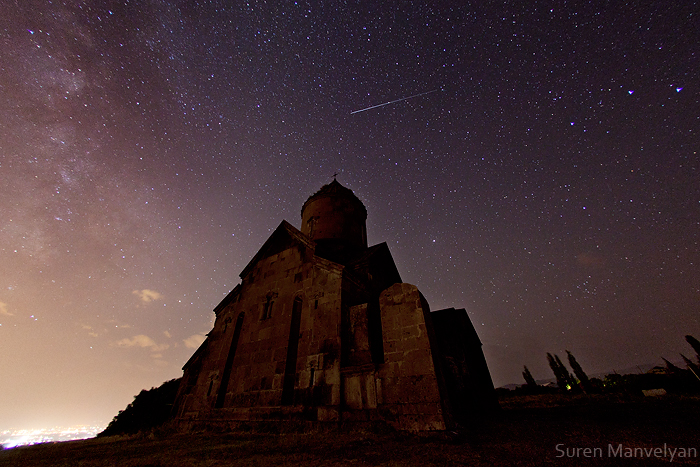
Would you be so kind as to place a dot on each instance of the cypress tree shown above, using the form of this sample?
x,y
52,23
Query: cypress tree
x,y
529,380
695,345
568,377
578,371
560,371
692,366
672,369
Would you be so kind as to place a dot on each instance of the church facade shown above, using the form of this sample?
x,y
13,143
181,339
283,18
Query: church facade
x,y
321,329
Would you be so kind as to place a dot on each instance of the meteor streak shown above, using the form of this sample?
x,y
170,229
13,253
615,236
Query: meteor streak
x,y
393,102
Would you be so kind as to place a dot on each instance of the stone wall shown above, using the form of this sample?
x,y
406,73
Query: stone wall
x,y
408,383
257,371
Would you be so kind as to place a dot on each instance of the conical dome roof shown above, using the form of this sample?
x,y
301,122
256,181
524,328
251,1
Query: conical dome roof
x,y
334,218
336,190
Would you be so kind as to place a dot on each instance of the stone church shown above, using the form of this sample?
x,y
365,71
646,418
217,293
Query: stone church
x,y
322,329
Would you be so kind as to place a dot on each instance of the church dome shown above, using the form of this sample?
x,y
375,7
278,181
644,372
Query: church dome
x,y
336,220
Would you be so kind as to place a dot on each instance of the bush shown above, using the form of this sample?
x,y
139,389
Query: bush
x,y
150,409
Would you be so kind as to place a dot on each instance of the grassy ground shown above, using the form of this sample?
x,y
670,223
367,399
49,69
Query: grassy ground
x,y
527,432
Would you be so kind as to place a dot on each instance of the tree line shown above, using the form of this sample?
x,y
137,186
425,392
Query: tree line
x,y
671,378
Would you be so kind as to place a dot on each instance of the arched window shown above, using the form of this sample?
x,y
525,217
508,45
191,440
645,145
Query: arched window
x,y
267,307
226,322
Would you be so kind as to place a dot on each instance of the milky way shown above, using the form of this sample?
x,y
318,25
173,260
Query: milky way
x,y
148,149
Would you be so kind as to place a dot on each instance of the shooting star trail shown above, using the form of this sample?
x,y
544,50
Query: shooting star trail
x,y
393,102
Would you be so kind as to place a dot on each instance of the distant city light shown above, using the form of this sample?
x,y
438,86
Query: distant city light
x,y
12,438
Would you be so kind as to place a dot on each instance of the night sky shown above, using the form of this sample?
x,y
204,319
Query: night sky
x,y
550,183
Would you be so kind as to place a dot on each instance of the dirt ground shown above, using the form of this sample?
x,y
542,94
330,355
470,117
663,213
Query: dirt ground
x,y
530,430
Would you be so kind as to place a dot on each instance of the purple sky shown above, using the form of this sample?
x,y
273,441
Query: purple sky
x,y
551,186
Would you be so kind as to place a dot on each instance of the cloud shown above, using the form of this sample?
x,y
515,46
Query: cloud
x,y
167,334
4,311
143,341
90,330
147,295
193,342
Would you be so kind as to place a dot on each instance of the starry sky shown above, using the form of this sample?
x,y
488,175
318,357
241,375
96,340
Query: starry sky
x,y
546,178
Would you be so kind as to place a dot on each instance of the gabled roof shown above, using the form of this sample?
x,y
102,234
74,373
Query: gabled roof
x,y
378,262
228,299
456,322
284,237
380,249
197,355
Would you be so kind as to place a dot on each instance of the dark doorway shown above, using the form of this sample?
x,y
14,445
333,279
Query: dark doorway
x,y
290,367
221,396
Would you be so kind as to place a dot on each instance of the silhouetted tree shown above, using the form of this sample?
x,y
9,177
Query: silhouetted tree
x,y
568,377
564,379
555,369
578,371
695,345
694,368
150,409
672,369
529,380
